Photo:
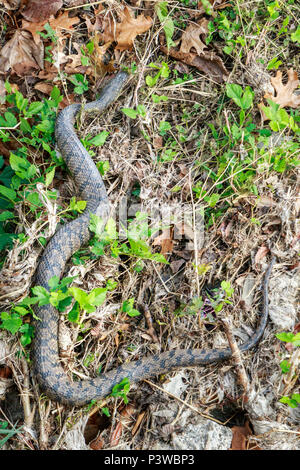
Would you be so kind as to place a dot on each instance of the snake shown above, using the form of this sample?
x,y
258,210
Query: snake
x,y
53,380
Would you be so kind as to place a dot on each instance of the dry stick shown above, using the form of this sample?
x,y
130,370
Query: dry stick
x,y
292,375
147,314
184,402
44,427
195,234
151,330
237,359
25,394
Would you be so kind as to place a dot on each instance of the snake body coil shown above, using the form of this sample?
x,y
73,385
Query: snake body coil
x,y
69,238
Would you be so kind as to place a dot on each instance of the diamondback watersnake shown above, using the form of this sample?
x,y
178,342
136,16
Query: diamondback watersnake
x,y
68,239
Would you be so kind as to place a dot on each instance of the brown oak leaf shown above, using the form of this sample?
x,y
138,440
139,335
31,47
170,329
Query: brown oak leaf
x,y
59,24
285,95
191,37
126,31
21,54
63,22
40,10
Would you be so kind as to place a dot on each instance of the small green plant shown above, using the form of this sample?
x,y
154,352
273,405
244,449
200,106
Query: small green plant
x,y
50,33
134,113
292,401
4,430
96,141
127,307
243,98
279,118
135,246
31,124
274,64
163,71
80,82
295,36
121,390
161,9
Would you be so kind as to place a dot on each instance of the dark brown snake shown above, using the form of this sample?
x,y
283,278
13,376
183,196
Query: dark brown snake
x,y
69,238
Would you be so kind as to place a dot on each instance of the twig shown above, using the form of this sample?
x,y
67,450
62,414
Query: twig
x,y
25,394
184,402
44,412
237,359
151,330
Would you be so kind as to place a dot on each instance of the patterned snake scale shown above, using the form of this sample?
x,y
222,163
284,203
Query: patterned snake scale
x,y
69,238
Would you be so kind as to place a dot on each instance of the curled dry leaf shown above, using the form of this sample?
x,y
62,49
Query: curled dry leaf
x,y
285,95
44,87
240,437
207,62
40,10
261,254
116,434
126,31
191,37
21,54
97,444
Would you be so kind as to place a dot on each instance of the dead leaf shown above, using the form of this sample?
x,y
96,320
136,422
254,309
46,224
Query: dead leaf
x,y
97,444
240,438
40,10
165,241
5,372
116,434
176,265
191,37
34,29
63,22
98,57
74,64
44,87
126,31
261,254
285,95
207,62
21,54
97,25
265,201
138,422
127,412
49,73
158,142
